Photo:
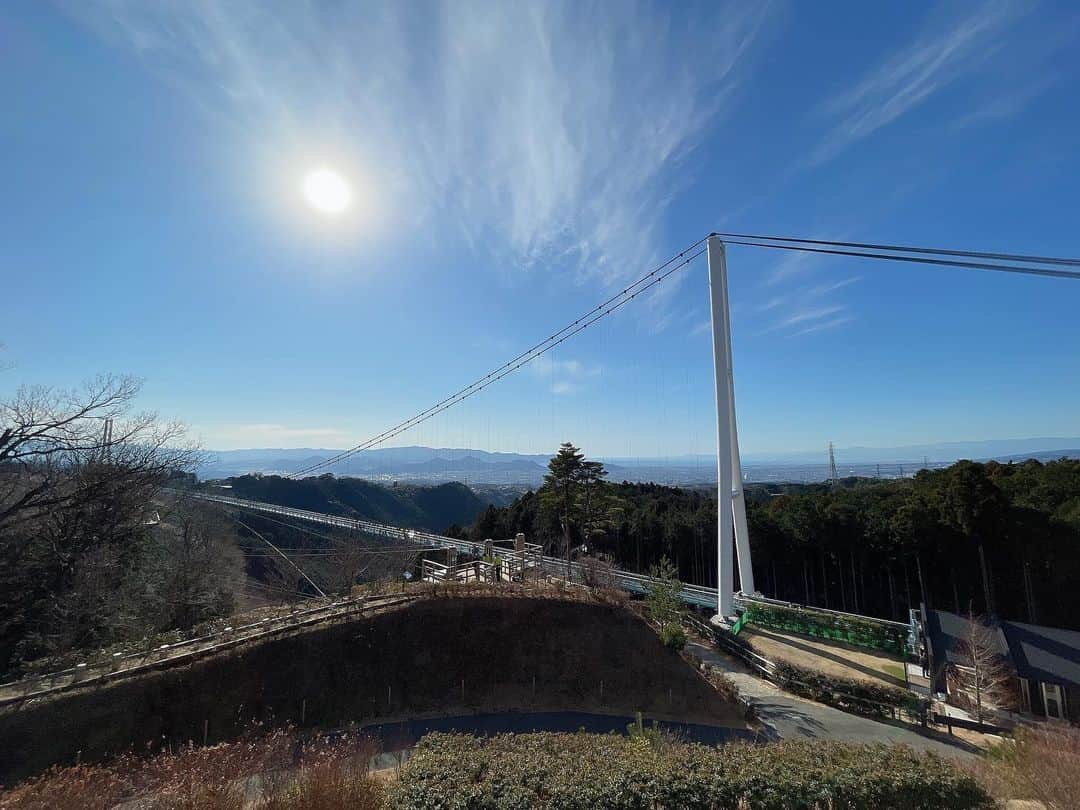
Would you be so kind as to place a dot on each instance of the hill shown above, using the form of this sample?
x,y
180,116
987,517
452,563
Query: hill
x,y
493,650
421,507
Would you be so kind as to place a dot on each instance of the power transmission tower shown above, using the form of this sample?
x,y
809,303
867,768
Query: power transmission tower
x,y
106,439
834,476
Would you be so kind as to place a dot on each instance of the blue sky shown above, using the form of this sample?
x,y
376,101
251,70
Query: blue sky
x,y
512,164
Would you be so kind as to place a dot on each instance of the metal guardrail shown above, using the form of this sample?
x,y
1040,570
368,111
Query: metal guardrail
x,y
768,670
696,595
121,666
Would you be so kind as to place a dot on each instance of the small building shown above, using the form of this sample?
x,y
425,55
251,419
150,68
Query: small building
x,y
1046,661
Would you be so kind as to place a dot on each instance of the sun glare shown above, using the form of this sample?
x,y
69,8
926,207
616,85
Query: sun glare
x,y
326,191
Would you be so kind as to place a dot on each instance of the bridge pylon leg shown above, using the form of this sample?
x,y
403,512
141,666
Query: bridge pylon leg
x,y
731,510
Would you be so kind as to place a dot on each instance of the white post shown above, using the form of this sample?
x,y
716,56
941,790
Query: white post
x,y
721,328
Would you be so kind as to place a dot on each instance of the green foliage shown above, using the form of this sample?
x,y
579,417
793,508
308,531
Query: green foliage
x,y
673,636
859,697
421,507
875,547
639,732
663,598
575,500
860,632
608,771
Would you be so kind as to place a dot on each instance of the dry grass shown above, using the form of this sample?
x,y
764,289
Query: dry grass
x,y
327,785
1040,763
291,772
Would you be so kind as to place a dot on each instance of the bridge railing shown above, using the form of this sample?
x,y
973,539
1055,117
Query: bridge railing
x,y
122,665
696,595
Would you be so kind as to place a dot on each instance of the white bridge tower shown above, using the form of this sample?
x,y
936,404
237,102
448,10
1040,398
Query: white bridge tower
x,y
731,530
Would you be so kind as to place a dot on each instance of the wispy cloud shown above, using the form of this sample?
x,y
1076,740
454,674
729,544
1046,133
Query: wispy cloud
x,y
805,305
810,315
947,51
701,328
562,376
790,265
1007,104
549,133
821,327
267,434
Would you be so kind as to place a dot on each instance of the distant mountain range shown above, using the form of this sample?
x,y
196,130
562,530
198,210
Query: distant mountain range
x,y
420,463
440,464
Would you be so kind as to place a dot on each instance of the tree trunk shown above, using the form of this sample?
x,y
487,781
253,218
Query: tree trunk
x,y
1029,595
892,593
824,583
988,594
775,589
566,536
806,582
854,590
907,585
843,593
862,582
922,583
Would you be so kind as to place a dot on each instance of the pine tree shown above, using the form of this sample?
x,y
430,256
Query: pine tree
x,y
560,493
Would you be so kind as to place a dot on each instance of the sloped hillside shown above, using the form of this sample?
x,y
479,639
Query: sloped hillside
x,y
421,507
447,656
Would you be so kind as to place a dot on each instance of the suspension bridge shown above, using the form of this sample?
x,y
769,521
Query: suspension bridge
x,y
516,557
733,541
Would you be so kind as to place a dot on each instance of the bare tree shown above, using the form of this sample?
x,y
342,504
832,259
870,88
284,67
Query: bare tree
x,y
79,472
59,448
986,674
198,564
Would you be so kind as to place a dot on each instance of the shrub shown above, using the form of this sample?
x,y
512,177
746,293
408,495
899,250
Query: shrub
x,y
296,772
327,785
664,598
608,771
673,636
850,694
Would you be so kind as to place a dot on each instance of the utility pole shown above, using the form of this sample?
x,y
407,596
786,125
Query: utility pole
x,y
834,476
732,533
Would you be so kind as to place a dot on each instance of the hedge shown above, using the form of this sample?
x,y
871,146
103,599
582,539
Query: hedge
x,y
595,772
860,632
850,694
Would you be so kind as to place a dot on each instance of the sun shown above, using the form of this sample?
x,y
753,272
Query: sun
x,y
326,191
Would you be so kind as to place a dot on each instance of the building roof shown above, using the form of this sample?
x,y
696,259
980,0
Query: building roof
x,y
1038,653
1044,653
947,632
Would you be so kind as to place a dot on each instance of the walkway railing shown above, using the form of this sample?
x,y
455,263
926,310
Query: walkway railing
x,y
122,665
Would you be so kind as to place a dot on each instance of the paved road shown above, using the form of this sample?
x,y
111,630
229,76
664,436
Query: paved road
x,y
793,718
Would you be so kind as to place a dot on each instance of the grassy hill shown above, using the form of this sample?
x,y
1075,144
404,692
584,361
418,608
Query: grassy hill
x,y
421,507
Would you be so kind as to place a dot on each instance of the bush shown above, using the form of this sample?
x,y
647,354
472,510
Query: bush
x,y
673,636
295,771
850,694
608,771
874,635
